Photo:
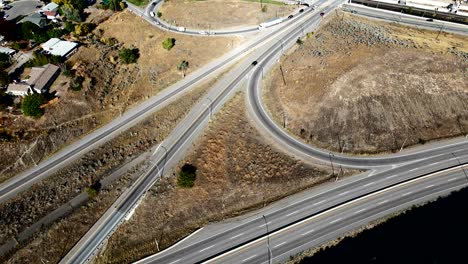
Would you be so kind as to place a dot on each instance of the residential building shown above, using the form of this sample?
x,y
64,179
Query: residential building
x,y
51,15
7,51
50,7
39,81
57,47
36,18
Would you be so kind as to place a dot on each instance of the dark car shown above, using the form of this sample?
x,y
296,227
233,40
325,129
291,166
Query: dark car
x,y
290,16
301,10
430,19
6,7
254,63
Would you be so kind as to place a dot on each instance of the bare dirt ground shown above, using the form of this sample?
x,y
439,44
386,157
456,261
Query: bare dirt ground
x,y
237,171
220,14
110,87
367,87
53,242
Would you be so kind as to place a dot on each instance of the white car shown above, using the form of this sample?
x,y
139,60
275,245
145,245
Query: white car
x,y
202,33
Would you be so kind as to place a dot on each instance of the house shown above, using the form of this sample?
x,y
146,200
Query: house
x,y
36,18
7,51
50,7
57,47
39,81
51,15
19,89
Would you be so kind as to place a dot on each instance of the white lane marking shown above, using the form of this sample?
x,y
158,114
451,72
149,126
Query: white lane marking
x,y
175,261
392,176
343,193
382,202
249,258
239,234
321,202
206,248
414,169
280,244
369,184
453,179
406,194
292,213
336,220
429,186
308,232
360,211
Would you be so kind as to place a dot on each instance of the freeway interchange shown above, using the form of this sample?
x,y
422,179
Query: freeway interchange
x,y
394,182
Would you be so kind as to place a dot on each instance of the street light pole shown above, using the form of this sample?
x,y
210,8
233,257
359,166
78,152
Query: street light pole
x,y
331,162
209,107
268,240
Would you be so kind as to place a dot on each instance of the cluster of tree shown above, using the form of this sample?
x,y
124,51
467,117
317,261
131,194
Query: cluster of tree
x,y
43,59
187,176
4,78
72,9
183,66
84,29
116,5
168,43
76,83
31,105
5,99
128,56
5,61
32,31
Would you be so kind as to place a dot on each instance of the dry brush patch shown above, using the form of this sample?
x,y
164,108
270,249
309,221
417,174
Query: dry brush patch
x,y
109,88
220,14
364,87
58,189
237,171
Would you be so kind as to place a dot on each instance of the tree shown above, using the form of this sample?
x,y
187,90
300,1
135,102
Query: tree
x,y
129,55
168,43
32,31
187,176
76,83
183,66
4,61
84,29
4,78
72,14
31,104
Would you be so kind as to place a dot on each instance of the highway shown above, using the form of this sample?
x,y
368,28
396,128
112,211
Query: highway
x,y
17,184
398,168
386,171
316,201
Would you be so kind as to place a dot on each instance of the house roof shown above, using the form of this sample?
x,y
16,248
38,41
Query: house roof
x,y
59,47
40,76
7,50
35,18
50,7
18,87
50,13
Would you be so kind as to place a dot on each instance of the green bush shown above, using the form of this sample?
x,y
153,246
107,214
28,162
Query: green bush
x,y
76,83
42,59
187,176
168,43
31,103
159,14
129,55
19,45
4,77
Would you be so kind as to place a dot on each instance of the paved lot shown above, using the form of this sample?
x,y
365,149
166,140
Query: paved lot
x,y
22,8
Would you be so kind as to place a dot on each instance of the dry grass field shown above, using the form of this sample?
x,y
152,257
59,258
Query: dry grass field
x,y
220,14
110,87
237,171
53,242
362,86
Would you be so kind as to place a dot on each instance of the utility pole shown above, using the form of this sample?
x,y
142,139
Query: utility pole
x,y
459,163
331,162
282,74
442,27
268,240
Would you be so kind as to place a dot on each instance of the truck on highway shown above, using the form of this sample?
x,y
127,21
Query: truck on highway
x,y
274,21
181,29
152,14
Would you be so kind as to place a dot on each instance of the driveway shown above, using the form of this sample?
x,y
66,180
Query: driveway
x,y
22,8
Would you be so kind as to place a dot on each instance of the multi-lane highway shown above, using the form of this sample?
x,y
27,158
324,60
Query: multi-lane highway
x,y
259,54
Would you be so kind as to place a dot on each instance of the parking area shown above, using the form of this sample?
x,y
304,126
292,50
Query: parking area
x,y
21,8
